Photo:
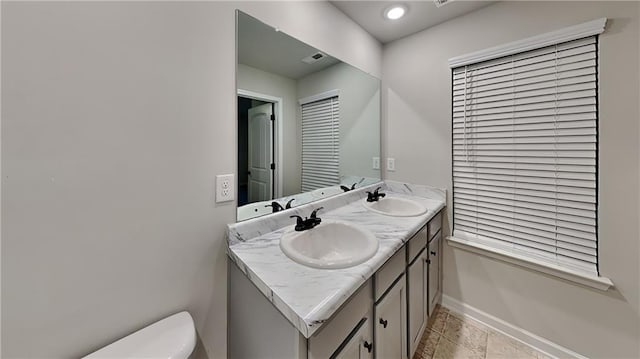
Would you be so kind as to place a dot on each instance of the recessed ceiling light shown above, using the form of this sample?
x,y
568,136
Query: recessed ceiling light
x,y
395,12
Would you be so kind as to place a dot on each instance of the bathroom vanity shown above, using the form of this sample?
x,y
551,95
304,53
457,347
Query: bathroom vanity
x,y
279,308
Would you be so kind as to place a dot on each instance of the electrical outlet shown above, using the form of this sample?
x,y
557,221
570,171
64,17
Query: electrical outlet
x,y
225,188
376,163
391,164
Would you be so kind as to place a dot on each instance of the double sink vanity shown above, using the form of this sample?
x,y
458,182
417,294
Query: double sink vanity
x,y
327,261
358,279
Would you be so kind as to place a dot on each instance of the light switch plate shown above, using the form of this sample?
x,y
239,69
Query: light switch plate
x,y
225,190
391,164
376,163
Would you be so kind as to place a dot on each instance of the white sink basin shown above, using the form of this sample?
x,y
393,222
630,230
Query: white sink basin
x,y
398,207
331,244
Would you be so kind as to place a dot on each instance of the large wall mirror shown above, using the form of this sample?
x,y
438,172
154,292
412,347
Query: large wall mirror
x,y
308,123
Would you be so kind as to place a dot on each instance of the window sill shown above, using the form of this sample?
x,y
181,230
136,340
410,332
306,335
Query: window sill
x,y
601,283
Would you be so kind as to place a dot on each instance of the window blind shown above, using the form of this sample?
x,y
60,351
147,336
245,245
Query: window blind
x,y
525,153
320,144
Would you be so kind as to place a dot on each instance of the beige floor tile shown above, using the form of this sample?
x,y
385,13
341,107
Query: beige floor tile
x,y
440,308
470,321
500,346
452,336
437,321
520,346
427,345
447,349
476,324
542,356
466,335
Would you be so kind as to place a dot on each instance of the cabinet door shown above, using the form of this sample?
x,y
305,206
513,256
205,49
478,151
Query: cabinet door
x,y
360,346
417,300
390,326
434,270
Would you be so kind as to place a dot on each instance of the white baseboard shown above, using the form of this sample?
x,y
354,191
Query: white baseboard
x,y
538,343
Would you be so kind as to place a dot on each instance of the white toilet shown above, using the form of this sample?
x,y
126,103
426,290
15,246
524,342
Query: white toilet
x,y
171,338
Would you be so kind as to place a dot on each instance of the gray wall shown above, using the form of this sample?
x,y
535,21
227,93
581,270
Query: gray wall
x,y
116,118
417,115
359,114
256,80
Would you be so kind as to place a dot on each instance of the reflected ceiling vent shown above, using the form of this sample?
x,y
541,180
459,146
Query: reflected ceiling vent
x,y
313,58
440,3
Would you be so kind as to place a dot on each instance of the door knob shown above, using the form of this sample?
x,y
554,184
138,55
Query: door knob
x,y
383,322
433,253
369,346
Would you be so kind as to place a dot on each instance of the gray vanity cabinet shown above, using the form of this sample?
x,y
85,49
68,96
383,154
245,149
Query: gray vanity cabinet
x,y
390,323
384,319
417,279
434,262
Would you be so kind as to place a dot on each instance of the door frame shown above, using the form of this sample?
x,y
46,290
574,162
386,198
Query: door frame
x,y
278,132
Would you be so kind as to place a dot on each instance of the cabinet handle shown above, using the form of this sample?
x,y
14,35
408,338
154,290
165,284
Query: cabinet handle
x,y
369,346
383,322
428,261
433,253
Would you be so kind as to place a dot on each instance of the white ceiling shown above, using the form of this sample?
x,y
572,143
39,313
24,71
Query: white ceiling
x,y
262,47
421,15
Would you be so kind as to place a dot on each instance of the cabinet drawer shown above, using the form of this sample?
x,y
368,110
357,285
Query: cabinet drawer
x,y
389,272
416,244
434,225
325,342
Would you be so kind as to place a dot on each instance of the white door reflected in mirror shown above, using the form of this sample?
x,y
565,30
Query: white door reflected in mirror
x,y
260,176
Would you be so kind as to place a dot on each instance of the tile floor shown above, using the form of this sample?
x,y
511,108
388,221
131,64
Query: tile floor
x,y
449,336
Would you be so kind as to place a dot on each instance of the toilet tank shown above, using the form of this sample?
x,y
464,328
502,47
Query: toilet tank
x,y
171,338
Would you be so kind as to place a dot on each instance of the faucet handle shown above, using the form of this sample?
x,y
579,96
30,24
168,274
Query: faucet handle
x,y
300,223
345,188
313,214
275,206
288,205
353,186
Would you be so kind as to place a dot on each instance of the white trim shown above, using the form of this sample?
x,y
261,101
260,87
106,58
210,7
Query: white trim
x,y
318,97
589,28
279,130
601,283
536,342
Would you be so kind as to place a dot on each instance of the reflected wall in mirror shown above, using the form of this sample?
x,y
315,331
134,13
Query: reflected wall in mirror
x,y
308,123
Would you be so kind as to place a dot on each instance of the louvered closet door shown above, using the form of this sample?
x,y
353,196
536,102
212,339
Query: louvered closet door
x,y
525,153
320,144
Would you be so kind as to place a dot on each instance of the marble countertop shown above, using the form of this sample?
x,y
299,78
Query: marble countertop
x,y
306,296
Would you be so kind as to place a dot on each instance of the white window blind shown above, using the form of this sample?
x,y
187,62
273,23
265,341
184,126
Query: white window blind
x,y
320,143
525,153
